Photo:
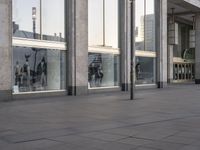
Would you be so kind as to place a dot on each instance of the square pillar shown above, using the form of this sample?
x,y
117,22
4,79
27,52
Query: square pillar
x,y
77,46
5,50
197,49
124,43
161,41
170,65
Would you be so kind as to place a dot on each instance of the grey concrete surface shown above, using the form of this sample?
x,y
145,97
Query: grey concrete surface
x,y
159,119
77,46
197,50
161,41
5,49
124,43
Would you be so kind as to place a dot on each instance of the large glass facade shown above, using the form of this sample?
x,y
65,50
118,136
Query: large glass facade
x,y
145,70
37,69
39,19
103,70
145,25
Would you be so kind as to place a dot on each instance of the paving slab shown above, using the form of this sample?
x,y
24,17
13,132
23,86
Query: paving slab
x,y
159,119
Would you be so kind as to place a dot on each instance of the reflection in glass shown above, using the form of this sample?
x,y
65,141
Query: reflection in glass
x,y
103,70
150,26
145,25
103,31
145,70
111,23
53,20
95,22
139,24
26,18
29,22
38,69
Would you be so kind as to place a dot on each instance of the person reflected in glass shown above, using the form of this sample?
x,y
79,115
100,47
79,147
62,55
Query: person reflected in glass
x,y
99,75
26,71
42,72
92,74
18,74
138,71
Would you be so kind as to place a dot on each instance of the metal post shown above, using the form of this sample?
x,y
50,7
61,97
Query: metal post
x,y
132,96
34,21
41,20
104,26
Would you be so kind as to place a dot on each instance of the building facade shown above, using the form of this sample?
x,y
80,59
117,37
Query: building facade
x,y
77,47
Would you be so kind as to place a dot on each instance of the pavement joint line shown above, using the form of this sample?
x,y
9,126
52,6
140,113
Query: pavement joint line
x,y
134,125
26,141
147,139
56,140
172,135
94,138
153,122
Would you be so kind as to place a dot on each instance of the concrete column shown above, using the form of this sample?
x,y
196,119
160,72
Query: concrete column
x,y
170,63
197,50
77,46
161,41
5,49
124,43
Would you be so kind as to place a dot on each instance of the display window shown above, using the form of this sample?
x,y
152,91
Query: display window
x,y
145,72
103,70
37,69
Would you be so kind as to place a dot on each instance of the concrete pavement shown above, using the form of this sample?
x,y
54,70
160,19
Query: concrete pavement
x,y
159,119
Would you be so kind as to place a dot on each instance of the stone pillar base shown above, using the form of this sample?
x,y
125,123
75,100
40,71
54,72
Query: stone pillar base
x,y
5,95
197,81
161,84
125,86
77,90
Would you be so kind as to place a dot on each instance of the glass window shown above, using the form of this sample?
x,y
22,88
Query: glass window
x,y
95,25
103,70
53,20
38,69
39,19
150,26
145,70
139,24
103,31
26,18
111,23
145,25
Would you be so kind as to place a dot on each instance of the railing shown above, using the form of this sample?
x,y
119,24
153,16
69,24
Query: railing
x,y
183,71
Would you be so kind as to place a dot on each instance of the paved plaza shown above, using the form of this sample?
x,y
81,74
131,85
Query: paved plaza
x,y
159,119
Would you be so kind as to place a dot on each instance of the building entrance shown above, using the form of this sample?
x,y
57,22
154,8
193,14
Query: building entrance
x,y
181,43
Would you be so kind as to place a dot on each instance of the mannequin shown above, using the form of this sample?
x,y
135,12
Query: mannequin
x,y
42,72
92,72
18,74
99,75
27,73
